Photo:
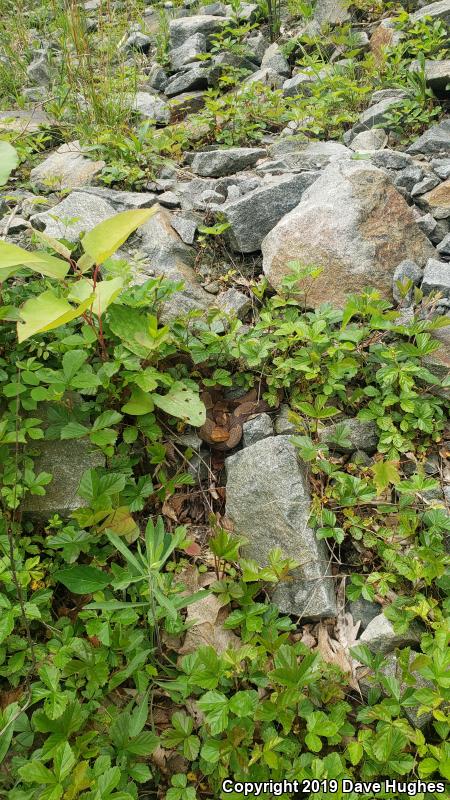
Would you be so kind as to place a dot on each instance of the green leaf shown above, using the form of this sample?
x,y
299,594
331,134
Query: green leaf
x,y
103,240
72,362
355,752
46,312
13,258
140,403
182,402
9,160
139,716
36,772
82,579
384,473
63,761
244,704
102,294
143,744
106,419
216,706
6,625
74,430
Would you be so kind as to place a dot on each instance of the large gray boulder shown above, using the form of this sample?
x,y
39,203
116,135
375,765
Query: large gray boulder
x,y
122,200
193,78
354,224
377,114
76,214
183,28
188,51
439,10
268,502
252,216
436,277
66,168
331,12
301,155
150,105
218,163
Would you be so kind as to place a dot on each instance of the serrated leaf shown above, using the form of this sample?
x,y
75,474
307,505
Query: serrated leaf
x,y
385,473
103,240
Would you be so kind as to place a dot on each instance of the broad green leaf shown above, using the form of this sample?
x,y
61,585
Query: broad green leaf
x,y
36,772
72,361
355,752
182,402
63,761
103,295
139,716
384,473
46,312
139,403
103,240
82,579
13,257
6,624
9,160
106,419
244,704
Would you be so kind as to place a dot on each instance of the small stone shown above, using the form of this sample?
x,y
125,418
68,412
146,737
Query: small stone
x,y
257,45
268,502
361,459
234,303
283,425
169,200
256,429
363,611
406,271
122,201
215,10
188,51
408,178
38,71
437,76
273,58
66,168
151,106
380,636
138,41
427,183
441,167
185,27
390,159
331,12
212,288
377,114
157,78
185,227
184,104
367,141
14,225
217,163
192,79
20,121
437,201
361,434
209,196
436,277
266,76
443,248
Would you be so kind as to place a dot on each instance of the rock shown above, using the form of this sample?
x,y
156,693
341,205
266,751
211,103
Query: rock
x,y
215,9
79,212
138,41
367,141
66,461
437,202
439,10
169,200
301,155
273,58
66,168
390,159
20,122
234,303
361,435
441,166
14,225
184,104
439,362
122,201
414,681
151,106
437,76
385,35
377,114
268,502
361,459
436,277
157,78
217,163
427,183
408,178
183,28
363,611
188,51
354,224
185,227
443,247
257,45
380,636
283,425
256,429
435,140
406,271
223,61
300,83
38,71
266,76
331,12
252,216
194,78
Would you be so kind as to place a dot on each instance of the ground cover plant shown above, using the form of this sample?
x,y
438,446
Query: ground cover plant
x,y
143,653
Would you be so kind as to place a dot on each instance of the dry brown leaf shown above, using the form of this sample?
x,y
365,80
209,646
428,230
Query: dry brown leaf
x,y
206,627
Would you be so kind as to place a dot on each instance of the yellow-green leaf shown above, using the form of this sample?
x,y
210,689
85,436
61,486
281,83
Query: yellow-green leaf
x,y
182,402
13,257
9,160
139,403
384,473
104,294
103,240
45,312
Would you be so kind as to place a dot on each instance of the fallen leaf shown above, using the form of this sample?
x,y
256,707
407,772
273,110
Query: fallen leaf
x,y
206,627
